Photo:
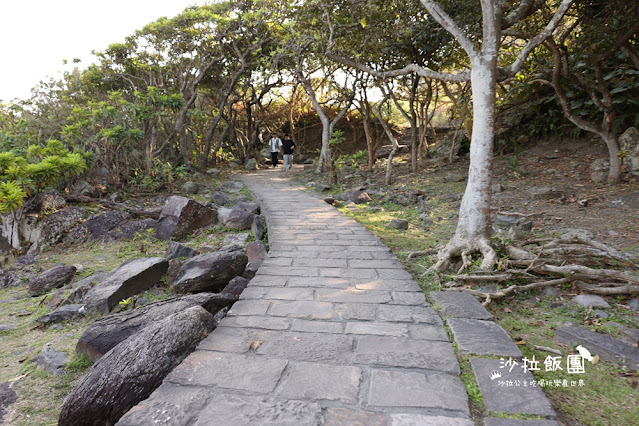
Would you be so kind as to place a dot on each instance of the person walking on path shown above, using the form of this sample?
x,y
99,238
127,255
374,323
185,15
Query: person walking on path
x,y
275,143
287,150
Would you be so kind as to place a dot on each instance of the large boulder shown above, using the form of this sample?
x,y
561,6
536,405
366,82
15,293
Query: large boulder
x,y
233,186
181,216
96,227
221,199
63,313
10,279
82,287
210,272
236,286
107,332
130,278
248,206
235,218
43,202
52,278
629,142
132,370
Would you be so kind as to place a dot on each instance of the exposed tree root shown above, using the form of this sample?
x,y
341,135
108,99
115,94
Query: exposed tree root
x,y
590,265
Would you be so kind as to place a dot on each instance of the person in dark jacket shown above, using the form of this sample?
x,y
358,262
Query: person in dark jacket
x,y
287,150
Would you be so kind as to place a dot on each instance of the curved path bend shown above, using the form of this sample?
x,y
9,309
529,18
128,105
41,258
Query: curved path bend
x,y
332,330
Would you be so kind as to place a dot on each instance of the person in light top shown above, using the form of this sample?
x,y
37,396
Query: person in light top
x,y
275,143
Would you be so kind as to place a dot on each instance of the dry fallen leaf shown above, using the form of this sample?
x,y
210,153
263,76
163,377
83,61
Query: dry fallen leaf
x,y
507,310
297,338
255,344
538,323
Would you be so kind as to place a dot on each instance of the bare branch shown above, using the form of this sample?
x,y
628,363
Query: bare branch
x,y
449,25
525,8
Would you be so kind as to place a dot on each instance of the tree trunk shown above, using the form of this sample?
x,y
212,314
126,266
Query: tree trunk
x,y
366,116
473,228
614,175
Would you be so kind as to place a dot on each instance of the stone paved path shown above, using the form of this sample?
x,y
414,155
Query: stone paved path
x,y
332,330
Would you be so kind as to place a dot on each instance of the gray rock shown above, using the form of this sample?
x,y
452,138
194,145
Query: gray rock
x,y
258,227
355,196
221,199
210,272
250,164
236,286
494,421
177,250
212,172
551,291
249,207
116,197
107,332
51,229
587,300
505,221
235,239
7,327
129,230
63,313
629,200
11,279
52,361
497,188
27,260
172,272
7,397
634,304
482,338
96,227
599,177
401,224
43,202
455,304
129,279
544,193
576,233
191,187
55,277
600,165
606,347
320,187
235,218
233,186
148,356
82,287
630,334
509,399
600,314
181,216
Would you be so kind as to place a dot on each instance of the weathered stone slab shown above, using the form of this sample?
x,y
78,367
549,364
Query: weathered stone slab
x,y
356,311
317,282
52,361
302,309
352,295
345,416
377,329
606,347
255,321
52,278
210,272
408,298
457,304
229,370
427,332
412,314
7,397
493,421
387,285
63,313
412,389
313,381
317,326
509,399
312,347
407,353
170,404
245,410
482,338
587,300
249,307
412,419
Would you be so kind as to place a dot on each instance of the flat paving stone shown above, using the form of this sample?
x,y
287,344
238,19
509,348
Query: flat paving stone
x,y
412,314
319,347
407,353
408,298
170,404
482,338
387,285
313,381
317,326
245,410
345,416
377,329
269,323
411,419
606,347
502,394
355,311
302,309
457,304
353,295
394,388
229,370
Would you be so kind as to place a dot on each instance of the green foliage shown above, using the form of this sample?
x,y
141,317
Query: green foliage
x,y
11,196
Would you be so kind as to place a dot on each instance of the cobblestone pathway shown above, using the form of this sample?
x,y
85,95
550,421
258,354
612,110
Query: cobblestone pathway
x,y
332,330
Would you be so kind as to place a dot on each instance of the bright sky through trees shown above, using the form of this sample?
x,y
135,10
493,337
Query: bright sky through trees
x,y
36,35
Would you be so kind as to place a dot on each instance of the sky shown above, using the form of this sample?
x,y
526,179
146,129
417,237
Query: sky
x,y
37,35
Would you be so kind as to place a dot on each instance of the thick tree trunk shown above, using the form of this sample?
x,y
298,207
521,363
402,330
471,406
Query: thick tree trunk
x,y
473,228
612,143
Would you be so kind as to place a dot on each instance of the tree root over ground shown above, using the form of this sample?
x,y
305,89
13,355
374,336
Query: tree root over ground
x,y
591,266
